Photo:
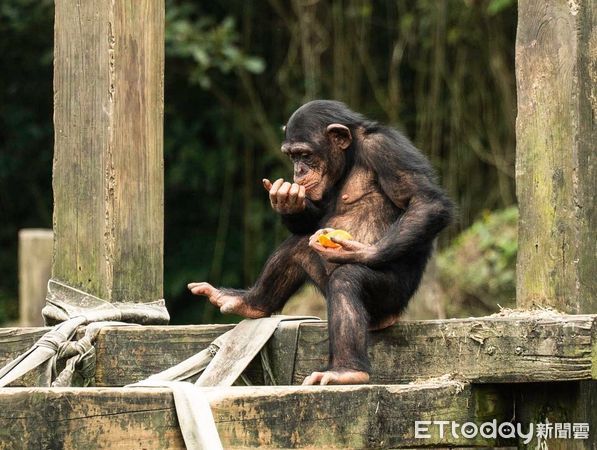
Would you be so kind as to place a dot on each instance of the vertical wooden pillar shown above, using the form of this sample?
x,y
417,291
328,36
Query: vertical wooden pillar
x,y
556,71
108,155
35,266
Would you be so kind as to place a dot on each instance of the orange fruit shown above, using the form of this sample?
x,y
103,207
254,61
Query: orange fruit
x,y
326,239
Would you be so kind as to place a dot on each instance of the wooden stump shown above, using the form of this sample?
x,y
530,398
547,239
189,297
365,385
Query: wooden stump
x,y
35,267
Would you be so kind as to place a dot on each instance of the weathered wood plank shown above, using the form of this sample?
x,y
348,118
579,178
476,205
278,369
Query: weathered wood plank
x,y
266,417
513,348
14,342
556,49
35,268
125,358
517,347
108,161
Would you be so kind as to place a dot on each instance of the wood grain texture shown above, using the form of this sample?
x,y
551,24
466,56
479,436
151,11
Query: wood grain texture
x,y
566,402
35,267
143,351
16,341
486,350
265,417
556,133
108,156
520,347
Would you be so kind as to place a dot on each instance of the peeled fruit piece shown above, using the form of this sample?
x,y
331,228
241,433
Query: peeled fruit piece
x,y
326,239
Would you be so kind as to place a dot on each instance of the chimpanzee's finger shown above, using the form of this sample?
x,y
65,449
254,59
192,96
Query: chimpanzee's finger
x,y
283,193
267,184
343,242
313,240
301,201
314,378
293,194
328,378
347,243
274,190
315,235
203,288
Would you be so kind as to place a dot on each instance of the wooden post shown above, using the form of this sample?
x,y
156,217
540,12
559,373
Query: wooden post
x,y
556,134
556,73
35,266
108,155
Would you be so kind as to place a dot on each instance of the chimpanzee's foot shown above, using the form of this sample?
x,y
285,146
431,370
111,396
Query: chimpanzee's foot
x,y
384,323
228,304
337,377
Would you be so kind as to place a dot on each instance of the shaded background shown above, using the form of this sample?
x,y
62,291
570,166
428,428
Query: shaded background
x,y
442,72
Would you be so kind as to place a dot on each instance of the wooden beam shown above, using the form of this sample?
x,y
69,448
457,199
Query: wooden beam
x,y
15,342
516,348
556,47
154,349
265,417
35,268
108,153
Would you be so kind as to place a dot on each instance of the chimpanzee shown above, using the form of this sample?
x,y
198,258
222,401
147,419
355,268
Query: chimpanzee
x,y
353,174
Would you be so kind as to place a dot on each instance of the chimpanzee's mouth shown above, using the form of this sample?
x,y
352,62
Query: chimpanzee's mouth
x,y
309,186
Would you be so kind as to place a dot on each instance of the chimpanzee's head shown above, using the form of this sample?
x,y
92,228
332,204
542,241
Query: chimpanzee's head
x,y
318,140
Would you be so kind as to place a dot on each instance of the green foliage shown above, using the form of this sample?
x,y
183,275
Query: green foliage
x,y
213,47
478,270
235,70
26,30
497,6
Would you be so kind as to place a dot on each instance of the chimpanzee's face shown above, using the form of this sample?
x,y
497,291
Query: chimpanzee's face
x,y
310,169
317,162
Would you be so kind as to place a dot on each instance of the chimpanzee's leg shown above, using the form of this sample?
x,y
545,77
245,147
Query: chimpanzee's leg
x,y
284,272
348,322
360,299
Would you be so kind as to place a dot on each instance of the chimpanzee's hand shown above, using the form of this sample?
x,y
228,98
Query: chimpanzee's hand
x,y
350,251
285,197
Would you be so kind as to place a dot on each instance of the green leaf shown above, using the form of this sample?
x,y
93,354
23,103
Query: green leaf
x,y
254,65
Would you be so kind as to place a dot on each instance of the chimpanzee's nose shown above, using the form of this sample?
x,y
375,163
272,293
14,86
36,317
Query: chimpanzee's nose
x,y
299,175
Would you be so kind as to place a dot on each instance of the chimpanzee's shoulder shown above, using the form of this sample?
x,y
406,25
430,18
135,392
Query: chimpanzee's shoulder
x,y
388,148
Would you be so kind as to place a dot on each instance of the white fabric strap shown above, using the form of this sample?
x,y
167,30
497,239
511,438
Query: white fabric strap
x,y
194,415
231,352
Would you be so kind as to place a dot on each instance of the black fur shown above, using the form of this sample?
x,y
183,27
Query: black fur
x,y
362,294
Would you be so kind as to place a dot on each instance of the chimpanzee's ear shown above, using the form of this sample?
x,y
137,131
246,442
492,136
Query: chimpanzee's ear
x,y
340,135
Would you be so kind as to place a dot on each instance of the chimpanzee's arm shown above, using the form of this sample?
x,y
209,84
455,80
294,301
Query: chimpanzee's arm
x,y
406,177
304,222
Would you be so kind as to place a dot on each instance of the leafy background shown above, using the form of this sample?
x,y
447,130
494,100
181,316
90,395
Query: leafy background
x,y
442,72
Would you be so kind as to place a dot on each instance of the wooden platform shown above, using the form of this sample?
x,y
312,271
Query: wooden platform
x,y
458,363
266,417
518,347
